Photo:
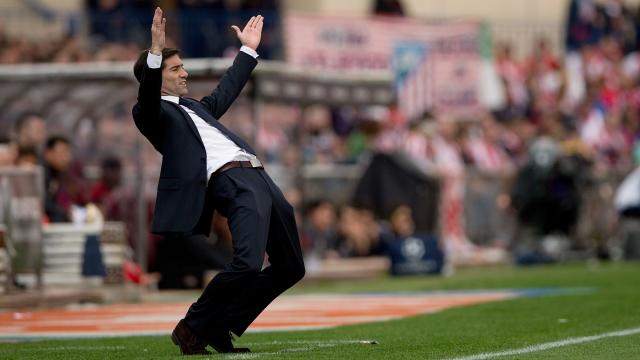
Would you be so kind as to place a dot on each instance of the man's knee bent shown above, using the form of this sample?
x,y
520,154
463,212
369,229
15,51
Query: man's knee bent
x,y
293,274
249,267
299,273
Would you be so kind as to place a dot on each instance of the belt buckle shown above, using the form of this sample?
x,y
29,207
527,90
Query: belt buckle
x,y
255,162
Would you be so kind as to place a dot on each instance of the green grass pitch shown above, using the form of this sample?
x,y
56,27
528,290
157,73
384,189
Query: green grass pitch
x,y
609,302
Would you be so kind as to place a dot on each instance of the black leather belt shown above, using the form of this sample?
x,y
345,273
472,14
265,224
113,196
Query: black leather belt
x,y
255,163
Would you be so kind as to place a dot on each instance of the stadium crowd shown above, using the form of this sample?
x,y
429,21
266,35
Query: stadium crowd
x,y
118,31
566,119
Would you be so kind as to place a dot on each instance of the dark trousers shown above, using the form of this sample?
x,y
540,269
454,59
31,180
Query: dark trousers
x,y
261,221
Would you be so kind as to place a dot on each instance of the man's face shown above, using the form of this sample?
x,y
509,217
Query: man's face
x,y
112,176
33,133
59,156
174,77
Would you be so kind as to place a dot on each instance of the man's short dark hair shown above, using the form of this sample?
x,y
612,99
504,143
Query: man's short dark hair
x,y
142,60
52,141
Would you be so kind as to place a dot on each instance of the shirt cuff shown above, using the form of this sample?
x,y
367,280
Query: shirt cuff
x,y
154,61
249,51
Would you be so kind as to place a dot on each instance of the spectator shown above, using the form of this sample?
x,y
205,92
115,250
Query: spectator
x,y
449,162
542,54
418,145
27,156
546,199
182,260
485,149
272,140
319,230
111,178
30,130
271,44
361,141
620,24
320,140
409,252
58,199
513,77
359,233
581,17
546,81
107,19
198,19
401,221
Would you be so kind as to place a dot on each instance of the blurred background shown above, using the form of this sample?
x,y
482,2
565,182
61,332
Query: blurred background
x,y
411,136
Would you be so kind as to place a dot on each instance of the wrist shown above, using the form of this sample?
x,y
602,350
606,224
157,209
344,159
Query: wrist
x,y
250,47
249,51
155,51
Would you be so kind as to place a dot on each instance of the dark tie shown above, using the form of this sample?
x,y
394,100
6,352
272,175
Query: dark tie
x,y
184,102
200,110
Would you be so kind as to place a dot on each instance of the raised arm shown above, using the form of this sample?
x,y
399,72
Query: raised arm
x,y
239,73
157,32
146,111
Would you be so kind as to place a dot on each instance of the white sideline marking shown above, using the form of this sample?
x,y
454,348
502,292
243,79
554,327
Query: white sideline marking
x,y
309,342
77,348
311,345
550,345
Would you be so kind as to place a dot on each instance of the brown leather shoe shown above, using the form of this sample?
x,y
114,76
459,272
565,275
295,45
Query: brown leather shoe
x,y
221,342
188,342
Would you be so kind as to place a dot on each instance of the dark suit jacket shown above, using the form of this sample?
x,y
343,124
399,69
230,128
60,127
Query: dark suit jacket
x,y
183,176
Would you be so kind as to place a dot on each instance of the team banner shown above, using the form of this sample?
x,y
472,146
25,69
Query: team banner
x,y
413,74
445,78
452,75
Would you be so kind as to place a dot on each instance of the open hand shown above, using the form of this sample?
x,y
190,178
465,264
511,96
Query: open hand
x,y
252,32
157,32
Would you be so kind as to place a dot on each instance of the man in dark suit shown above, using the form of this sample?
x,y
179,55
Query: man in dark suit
x,y
206,167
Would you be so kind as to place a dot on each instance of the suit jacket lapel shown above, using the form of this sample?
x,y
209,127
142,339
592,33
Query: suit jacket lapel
x,y
187,118
199,109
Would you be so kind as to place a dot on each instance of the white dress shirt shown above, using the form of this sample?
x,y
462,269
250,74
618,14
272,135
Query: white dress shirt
x,y
219,148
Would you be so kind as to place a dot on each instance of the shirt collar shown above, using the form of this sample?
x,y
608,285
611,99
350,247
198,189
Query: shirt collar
x,y
171,98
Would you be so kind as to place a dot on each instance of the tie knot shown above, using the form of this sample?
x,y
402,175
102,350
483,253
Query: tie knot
x,y
184,102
